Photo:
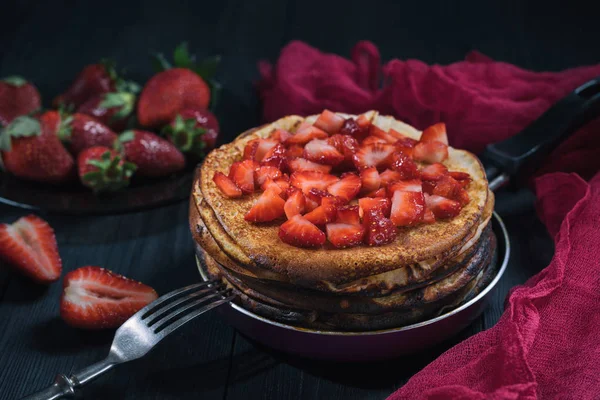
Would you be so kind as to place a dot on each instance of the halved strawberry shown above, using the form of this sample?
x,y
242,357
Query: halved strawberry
x,y
267,171
268,207
227,186
436,132
370,179
96,298
300,232
242,174
407,208
433,172
351,127
322,215
307,180
374,155
294,205
342,235
388,176
372,140
412,185
442,207
281,135
306,134
348,215
329,121
404,165
257,149
377,193
430,152
294,151
347,146
379,230
347,187
29,246
367,204
322,152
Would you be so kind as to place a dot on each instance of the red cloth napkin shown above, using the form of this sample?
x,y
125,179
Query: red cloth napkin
x,y
547,343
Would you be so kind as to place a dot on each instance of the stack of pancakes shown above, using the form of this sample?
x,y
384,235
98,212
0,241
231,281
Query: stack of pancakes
x,y
426,271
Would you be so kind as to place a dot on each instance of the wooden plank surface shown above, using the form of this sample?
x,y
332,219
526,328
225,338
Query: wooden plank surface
x,y
48,42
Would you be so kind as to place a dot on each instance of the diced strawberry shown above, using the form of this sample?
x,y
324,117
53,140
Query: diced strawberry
x,y
317,195
270,184
363,121
433,172
388,176
370,179
322,215
300,232
306,134
366,204
430,152
281,135
310,204
294,151
428,186
428,217
275,157
242,174
404,149
320,151
412,185
462,197
267,171
436,132
307,180
407,208
226,185
302,164
459,176
447,187
372,140
379,230
348,215
301,126
404,165
376,131
333,201
377,193
374,155
268,207
330,122
294,205
257,149
348,146
406,142
351,127
347,187
345,235
442,207
284,184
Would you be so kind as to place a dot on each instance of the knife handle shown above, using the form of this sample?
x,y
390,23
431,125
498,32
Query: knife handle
x,y
522,152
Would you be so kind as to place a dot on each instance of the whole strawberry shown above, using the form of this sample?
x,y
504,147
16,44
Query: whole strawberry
x,y
153,155
103,169
114,109
93,80
193,131
80,131
17,97
32,150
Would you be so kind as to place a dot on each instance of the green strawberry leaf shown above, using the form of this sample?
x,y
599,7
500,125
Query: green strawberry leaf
x,y
182,57
110,68
24,126
111,100
64,130
207,68
5,141
15,80
126,136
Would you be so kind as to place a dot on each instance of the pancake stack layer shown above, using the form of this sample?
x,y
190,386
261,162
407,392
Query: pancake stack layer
x,y
427,270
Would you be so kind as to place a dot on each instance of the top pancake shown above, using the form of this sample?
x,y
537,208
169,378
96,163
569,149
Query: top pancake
x,y
260,245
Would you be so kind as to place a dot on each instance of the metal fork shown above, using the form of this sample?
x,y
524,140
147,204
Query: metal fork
x,y
140,333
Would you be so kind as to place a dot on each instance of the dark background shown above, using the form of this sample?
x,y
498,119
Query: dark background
x,y
49,42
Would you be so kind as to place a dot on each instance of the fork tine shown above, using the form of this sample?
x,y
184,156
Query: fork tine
x,y
144,312
164,321
157,315
169,328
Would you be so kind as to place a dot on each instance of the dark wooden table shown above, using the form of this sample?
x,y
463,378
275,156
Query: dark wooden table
x,y
49,42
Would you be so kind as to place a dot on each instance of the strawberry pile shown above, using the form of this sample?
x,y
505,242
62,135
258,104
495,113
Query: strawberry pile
x,y
346,181
105,129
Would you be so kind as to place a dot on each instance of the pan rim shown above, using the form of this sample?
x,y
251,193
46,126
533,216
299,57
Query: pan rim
x,y
476,299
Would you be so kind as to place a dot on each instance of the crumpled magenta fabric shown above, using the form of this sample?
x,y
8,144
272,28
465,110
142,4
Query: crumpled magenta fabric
x,y
547,343
480,100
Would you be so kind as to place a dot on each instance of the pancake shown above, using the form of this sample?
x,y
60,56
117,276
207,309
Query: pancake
x,y
258,245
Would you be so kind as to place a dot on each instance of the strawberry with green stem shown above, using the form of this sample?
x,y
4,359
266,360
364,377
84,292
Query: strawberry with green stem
x,y
153,155
80,131
17,97
193,131
114,109
103,169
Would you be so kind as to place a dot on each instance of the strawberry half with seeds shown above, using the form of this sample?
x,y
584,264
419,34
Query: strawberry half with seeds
x,y
322,215
300,232
294,204
379,230
268,207
226,185
320,151
153,155
311,180
347,187
436,132
345,235
407,208
375,155
193,131
17,97
330,122
430,152
29,246
95,298
80,132
442,207
267,171
367,204
370,179
242,174
103,169
348,215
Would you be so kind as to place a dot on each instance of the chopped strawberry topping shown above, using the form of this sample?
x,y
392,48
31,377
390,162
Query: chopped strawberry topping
x,y
381,134
434,172
348,215
388,176
311,180
322,214
347,146
226,185
352,128
404,165
281,135
306,134
294,205
442,207
270,184
294,151
377,193
370,179
330,122
257,149
435,132
460,176
372,140
333,201
268,207
320,151
265,172
367,204
302,164
412,185
407,208
300,232
317,195
342,235
379,230
374,155
430,152
242,174
347,187
428,217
